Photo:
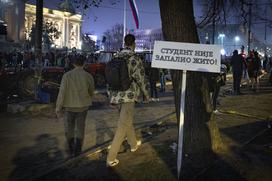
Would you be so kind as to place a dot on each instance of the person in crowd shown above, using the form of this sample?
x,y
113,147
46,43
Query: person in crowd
x,y
162,79
74,97
217,80
154,77
67,63
237,68
245,70
250,67
52,60
257,70
270,69
126,101
46,60
265,63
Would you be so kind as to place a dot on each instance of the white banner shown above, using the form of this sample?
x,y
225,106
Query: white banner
x,y
187,56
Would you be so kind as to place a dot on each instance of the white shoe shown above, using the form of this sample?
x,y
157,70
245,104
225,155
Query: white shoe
x,y
112,163
139,142
216,112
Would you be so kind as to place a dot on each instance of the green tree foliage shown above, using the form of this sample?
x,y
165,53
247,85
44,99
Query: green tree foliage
x,y
49,34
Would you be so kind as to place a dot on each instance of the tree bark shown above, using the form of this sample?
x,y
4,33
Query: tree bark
x,y
38,45
201,134
39,26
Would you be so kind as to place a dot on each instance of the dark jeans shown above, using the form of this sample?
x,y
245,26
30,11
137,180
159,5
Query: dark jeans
x,y
162,80
237,81
75,125
215,96
153,89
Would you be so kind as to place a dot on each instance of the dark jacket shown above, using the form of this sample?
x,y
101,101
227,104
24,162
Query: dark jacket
x,y
154,74
237,64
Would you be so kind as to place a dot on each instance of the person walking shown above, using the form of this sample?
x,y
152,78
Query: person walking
x,y
162,79
154,76
75,97
218,80
126,101
257,69
237,68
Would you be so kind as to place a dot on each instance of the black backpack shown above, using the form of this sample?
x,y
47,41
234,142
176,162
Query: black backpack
x,y
117,74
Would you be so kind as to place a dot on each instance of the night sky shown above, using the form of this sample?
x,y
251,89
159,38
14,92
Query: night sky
x,y
98,20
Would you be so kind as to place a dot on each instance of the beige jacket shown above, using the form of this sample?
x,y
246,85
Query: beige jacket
x,y
76,90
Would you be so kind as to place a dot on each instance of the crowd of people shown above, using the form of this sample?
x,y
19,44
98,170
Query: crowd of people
x,y
77,89
249,68
28,59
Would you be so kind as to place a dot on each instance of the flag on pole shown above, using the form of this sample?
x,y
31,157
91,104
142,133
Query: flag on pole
x,y
135,13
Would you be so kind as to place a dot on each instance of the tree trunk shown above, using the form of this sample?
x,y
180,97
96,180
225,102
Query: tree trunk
x,y
39,26
201,134
38,44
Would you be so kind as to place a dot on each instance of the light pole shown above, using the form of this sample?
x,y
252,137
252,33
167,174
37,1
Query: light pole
x,y
236,40
221,36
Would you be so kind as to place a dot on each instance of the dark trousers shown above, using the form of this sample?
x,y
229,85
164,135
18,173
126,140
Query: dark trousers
x,y
162,81
215,96
153,89
74,123
237,81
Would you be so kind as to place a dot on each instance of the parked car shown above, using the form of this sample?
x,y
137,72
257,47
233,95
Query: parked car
x,y
97,67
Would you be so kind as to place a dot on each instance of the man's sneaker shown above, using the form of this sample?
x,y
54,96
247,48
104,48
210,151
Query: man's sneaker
x,y
112,163
137,146
216,112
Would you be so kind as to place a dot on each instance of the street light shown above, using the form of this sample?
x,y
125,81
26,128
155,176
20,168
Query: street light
x,y
221,36
223,52
236,40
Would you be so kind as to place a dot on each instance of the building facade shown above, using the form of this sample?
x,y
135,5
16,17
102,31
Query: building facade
x,y
20,18
145,38
67,23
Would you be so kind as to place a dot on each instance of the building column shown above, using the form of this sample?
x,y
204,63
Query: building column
x,y
65,32
78,37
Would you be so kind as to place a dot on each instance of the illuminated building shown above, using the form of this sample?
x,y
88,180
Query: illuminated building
x,y
20,18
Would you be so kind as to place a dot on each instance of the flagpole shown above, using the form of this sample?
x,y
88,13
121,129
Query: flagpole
x,y
124,24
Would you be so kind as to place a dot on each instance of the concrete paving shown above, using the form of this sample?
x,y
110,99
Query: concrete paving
x,y
34,141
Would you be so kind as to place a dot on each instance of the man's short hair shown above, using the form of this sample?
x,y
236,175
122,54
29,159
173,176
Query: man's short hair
x,y
129,39
78,60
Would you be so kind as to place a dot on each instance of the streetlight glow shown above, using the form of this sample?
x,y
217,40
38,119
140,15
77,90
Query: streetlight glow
x,y
237,38
222,36
223,52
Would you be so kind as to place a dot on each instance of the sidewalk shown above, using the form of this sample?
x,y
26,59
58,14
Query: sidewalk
x,y
31,144
244,127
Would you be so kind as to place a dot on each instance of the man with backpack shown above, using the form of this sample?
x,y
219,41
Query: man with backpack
x,y
125,94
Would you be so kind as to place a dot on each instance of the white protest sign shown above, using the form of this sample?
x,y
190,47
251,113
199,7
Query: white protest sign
x,y
187,56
